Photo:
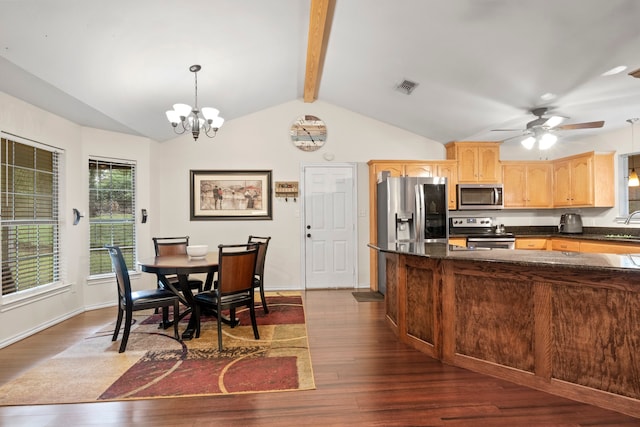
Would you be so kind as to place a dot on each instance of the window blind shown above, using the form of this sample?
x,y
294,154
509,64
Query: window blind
x,y
29,215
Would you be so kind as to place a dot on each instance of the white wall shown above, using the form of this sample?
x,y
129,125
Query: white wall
x,y
261,141
19,319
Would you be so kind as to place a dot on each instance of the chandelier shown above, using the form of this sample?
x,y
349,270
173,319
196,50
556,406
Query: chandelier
x,y
189,118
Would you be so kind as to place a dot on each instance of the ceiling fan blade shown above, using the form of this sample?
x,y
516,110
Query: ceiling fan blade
x,y
537,122
522,136
587,125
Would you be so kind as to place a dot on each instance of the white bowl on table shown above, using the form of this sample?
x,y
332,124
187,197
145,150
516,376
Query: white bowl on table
x,y
197,251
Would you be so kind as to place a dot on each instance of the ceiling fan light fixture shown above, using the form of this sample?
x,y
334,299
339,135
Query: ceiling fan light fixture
x,y
546,141
554,121
528,142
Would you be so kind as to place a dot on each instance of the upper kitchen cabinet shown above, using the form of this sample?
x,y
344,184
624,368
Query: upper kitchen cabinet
x,y
424,168
527,184
395,168
585,180
478,162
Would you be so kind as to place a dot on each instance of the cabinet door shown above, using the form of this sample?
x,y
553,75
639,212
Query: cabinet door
x,y
565,245
423,169
515,183
467,156
531,243
562,182
458,241
396,169
539,186
582,181
449,171
488,164
609,248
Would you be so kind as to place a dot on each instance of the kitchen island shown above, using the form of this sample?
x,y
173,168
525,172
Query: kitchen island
x,y
564,322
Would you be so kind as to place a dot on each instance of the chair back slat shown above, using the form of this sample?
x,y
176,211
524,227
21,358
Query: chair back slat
x,y
262,251
236,267
122,273
170,245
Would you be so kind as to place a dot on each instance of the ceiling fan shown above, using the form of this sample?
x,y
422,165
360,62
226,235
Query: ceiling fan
x,y
541,129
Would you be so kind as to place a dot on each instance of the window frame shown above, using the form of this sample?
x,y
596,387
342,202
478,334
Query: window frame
x,y
131,249
56,253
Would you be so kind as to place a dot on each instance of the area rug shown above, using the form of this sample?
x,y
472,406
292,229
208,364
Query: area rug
x,y
368,296
155,365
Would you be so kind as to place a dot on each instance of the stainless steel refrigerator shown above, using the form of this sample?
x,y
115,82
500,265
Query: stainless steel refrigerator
x,y
410,209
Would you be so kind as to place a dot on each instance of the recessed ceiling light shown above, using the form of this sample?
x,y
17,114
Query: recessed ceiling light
x,y
615,70
548,96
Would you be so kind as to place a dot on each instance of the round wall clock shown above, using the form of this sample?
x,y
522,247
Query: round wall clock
x,y
308,133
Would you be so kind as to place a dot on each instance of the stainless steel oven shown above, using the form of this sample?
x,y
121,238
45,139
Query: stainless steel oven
x,y
481,233
491,242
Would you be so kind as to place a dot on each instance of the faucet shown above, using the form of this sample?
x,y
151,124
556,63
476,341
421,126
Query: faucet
x,y
631,215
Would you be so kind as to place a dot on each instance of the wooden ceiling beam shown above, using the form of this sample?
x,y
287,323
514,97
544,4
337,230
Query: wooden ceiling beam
x,y
320,18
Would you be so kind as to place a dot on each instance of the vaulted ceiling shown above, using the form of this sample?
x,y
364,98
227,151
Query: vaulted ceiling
x,y
479,64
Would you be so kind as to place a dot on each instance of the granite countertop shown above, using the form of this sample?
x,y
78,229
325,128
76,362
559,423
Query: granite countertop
x,y
584,261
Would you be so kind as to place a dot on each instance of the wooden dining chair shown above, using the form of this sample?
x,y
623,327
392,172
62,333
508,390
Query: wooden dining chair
x,y
236,269
175,246
258,280
129,301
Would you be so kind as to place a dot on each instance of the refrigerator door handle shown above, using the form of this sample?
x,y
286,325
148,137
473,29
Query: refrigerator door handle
x,y
420,214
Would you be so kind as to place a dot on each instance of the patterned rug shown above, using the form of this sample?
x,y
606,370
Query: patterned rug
x,y
155,365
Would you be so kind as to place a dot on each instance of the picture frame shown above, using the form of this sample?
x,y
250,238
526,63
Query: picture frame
x,y
230,195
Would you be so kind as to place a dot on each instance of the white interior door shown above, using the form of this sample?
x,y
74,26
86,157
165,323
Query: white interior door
x,y
329,223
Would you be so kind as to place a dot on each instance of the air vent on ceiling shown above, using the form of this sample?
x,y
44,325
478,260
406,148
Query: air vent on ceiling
x,y
406,87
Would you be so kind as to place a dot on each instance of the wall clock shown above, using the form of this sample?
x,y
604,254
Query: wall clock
x,y
308,133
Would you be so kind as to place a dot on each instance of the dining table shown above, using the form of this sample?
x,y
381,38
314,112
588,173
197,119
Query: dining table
x,y
182,265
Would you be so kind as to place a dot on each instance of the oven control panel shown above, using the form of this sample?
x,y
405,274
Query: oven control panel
x,y
471,222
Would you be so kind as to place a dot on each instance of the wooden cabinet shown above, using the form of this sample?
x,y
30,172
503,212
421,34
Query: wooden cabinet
x,y
478,162
565,245
527,184
395,168
458,241
539,243
592,246
584,180
445,168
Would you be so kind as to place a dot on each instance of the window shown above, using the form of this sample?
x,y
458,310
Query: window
x,y
111,213
29,221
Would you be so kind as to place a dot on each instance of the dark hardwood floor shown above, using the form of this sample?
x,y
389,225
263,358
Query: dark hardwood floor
x,y
364,377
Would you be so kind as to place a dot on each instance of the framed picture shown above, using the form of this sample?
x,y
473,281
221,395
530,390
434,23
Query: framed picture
x,y
230,195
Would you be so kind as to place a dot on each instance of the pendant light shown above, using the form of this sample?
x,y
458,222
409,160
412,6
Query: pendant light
x,y
634,181
190,119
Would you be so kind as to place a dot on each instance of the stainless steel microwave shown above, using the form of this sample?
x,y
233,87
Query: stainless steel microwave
x,y
480,196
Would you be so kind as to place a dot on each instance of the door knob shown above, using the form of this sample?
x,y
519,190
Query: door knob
x,y
308,227
308,234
